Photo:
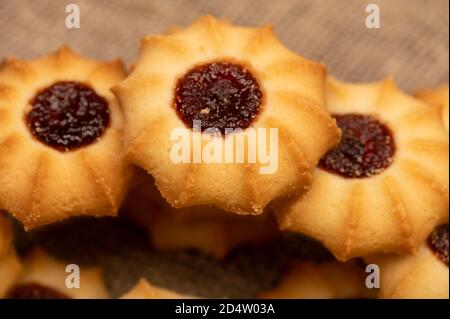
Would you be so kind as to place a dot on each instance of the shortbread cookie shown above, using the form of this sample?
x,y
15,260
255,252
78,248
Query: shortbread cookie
x,y
145,290
423,275
191,87
10,266
307,280
206,229
438,97
60,138
385,186
45,277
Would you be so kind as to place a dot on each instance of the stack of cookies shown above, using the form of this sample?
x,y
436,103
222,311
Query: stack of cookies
x,y
221,136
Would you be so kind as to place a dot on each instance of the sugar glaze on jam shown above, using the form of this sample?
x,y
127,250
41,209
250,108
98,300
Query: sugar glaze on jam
x,y
34,291
220,94
367,147
68,115
438,242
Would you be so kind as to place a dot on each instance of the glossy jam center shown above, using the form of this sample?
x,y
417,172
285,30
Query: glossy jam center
x,y
366,148
68,115
438,242
34,291
221,95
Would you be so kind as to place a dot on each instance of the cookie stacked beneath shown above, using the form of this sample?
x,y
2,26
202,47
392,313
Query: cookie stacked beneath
x,y
220,136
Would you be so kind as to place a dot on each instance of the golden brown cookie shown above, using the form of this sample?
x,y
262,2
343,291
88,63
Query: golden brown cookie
x,y
193,86
438,97
60,138
420,276
203,228
385,186
44,276
145,290
332,279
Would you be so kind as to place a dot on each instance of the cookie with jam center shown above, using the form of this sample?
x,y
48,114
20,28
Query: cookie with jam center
x,y
384,187
213,78
60,138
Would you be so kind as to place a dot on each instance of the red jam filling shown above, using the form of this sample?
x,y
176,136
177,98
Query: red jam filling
x,y
34,291
438,242
221,95
367,147
68,115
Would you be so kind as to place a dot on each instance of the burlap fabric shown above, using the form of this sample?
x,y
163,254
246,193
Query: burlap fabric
x,y
411,45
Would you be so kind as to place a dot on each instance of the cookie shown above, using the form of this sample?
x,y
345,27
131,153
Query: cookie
x,y
385,186
214,111
60,138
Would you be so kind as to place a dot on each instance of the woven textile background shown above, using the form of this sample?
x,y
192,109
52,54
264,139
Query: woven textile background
x,y
412,45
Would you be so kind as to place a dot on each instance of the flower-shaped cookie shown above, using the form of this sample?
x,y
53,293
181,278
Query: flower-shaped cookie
x,y
385,186
207,229
215,112
60,138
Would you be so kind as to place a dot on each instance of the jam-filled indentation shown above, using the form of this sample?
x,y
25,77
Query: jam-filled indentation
x,y
367,147
438,242
220,95
34,291
68,115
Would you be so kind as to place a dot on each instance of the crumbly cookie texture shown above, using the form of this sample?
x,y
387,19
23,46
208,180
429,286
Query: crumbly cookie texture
x,y
60,138
438,97
206,229
331,279
225,75
423,275
393,207
45,276
145,290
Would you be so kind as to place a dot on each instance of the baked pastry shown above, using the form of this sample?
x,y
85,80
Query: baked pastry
x,y
423,275
60,138
144,290
331,279
438,97
385,187
215,235
10,266
44,277
236,93
206,229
